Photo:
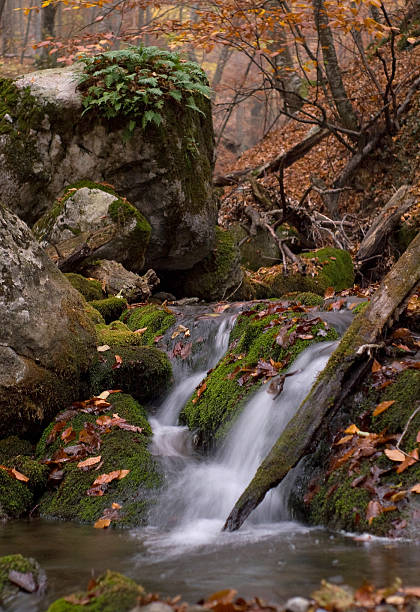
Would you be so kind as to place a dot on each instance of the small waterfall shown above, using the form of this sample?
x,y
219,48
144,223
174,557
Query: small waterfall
x,y
202,492
170,440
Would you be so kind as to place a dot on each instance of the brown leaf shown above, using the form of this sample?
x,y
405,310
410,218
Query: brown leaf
x,y
107,478
157,338
412,591
102,523
140,331
68,434
55,431
408,461
396,497
89,462
394,454
329,293
382,407
376,366
374,509
14,473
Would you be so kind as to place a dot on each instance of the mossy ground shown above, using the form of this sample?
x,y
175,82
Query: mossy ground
x,y
340,505
119,449
144,371
155,319
112,592
212,413
334,268
90,288
110,308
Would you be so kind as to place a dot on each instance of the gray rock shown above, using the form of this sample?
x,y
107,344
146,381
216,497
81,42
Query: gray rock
x,y
116,280
155,170
110,226
155,606
297,604
47,341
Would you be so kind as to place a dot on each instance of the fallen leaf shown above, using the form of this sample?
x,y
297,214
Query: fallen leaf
x,y
329,293
376,366
394,454
373,510
344,439
398,496
382,407
107,478
102,523
140,331
416,488
412,591
104,395
89,462
103,348
14,473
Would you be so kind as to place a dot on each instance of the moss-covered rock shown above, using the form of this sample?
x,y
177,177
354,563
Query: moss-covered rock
x,y
144,371
12,446
117,333
327,267
23,565
87,213
164,171
89,287
155,319
111,592
119,450
110,308
16,499
216,276
260,249
341,494
306,298
94,315
210,412
48,340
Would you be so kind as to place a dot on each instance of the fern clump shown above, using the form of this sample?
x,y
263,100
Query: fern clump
x,y
137,82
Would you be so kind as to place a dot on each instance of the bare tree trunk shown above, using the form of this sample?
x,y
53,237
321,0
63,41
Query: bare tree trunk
x,y
224,56
342,103
342,373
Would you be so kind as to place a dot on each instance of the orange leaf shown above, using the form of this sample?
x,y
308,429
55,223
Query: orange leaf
x,y
88,462
374,509
102,523
382,407
344,439
394,454
329,293
376,366
416,488
14,473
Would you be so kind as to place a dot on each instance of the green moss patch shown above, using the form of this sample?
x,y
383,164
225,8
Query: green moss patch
x,y
111,592
90,288
253,338
342,496
327,267
118,333
144,371
156,320
110,308
12,446
119,450
16,499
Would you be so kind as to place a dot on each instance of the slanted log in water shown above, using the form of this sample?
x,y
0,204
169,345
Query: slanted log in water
x,y
344,369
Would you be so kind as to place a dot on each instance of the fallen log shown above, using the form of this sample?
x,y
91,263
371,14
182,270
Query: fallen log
x,y
283,159
385,223
344,369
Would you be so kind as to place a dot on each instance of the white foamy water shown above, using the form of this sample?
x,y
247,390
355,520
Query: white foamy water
x,y
201,492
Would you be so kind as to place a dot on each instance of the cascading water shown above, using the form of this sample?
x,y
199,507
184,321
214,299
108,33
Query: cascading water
x,y
200,494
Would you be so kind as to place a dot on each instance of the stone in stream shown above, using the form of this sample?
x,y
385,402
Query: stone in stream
x,y
47,340
165,171
19,576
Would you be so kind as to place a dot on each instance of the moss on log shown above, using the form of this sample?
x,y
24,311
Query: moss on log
x,y
344,369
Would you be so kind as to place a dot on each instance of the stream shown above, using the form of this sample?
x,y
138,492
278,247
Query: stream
x,y
183,550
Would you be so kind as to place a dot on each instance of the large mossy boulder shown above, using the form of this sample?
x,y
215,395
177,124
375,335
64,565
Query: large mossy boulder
x,y
143,371
255,350
47,340
94,215
47,142
94,435
153,319
326,267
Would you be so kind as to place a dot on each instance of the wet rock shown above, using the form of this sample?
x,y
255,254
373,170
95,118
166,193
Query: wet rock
x,y
297,604
49,145
47,339
19,575
155,606
117,280
93,215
